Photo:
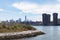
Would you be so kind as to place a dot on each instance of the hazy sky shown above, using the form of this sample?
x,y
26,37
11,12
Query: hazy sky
x,y
33,9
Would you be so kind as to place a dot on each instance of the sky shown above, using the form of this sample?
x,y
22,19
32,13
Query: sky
x,y
33,9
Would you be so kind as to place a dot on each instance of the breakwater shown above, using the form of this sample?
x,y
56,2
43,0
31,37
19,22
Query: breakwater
x,y
23,34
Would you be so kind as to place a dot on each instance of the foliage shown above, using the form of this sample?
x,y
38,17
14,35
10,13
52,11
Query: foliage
x,y
14,27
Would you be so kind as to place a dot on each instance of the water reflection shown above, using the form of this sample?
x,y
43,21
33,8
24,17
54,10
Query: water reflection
x,y
52,33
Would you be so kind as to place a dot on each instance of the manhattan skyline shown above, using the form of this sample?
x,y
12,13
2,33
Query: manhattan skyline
x,y
33,9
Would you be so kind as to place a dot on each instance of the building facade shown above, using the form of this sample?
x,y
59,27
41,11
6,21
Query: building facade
x,y
46,19
55,18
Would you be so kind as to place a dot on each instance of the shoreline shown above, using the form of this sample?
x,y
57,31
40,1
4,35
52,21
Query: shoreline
x,y
23,34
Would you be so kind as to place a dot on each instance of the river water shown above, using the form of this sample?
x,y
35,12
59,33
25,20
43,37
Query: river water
x,y
52,33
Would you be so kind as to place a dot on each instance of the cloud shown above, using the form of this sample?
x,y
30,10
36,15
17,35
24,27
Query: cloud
x,y
58,0
36,8
25,7
1,9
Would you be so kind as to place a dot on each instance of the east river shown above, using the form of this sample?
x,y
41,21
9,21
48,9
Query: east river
x,y
52,33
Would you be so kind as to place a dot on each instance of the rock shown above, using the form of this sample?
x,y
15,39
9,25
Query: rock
x,y
23,34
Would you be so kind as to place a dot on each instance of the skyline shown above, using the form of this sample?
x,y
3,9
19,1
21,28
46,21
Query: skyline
x,y
33,9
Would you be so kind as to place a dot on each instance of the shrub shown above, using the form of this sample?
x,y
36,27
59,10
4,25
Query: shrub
x,y
3,26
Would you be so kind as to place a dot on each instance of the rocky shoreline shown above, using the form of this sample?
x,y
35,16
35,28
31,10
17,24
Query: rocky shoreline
x,y
16,35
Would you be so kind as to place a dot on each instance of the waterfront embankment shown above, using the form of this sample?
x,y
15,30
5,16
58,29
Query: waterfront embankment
x,y
23,34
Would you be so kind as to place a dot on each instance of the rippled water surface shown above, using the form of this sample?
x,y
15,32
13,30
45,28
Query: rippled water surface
x,y
52,33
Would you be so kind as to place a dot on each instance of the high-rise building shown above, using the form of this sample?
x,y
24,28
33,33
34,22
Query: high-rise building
x,y
55,18
46,19
12,21
25,19
59,21
19,20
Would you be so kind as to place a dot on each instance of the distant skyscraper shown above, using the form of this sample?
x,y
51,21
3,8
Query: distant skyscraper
x,y
55,18
19,20
25,18
16,21
46,19
12,20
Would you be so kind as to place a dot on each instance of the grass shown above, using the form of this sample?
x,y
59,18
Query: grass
x,y
16,28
